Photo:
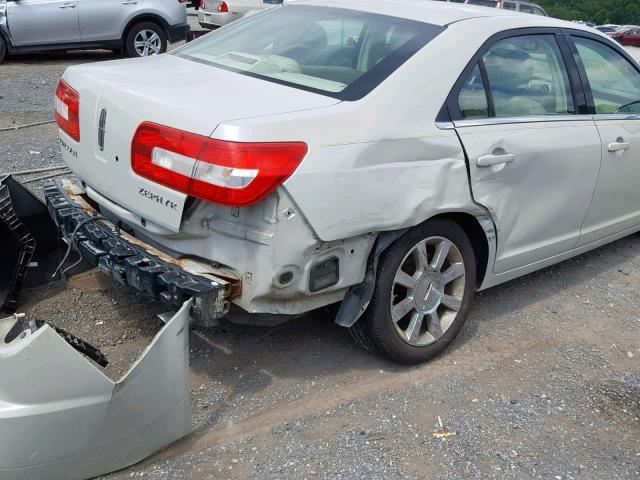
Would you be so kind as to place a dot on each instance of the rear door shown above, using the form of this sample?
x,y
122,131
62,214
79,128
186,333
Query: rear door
x,y
533,157
613,81
105,19
43,22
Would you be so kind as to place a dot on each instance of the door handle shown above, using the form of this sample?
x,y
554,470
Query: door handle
x,y
619,146
491,159
67,5
130,2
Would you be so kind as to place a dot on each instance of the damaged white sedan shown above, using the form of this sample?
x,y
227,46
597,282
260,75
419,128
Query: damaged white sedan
x,y
362,152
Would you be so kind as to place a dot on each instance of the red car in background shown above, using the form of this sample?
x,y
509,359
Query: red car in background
x,y
630,37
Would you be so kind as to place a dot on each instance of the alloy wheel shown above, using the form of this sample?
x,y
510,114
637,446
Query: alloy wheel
x,y
147,43
427,292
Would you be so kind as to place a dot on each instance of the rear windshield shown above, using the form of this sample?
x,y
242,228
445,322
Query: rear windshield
x,y
337,52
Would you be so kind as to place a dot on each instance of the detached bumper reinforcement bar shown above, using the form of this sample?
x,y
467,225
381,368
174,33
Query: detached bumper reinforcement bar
x,y
137,264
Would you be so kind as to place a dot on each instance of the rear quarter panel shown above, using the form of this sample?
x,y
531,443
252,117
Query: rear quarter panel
x,y
379,163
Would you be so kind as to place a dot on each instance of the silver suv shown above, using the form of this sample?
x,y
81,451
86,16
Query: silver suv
x,y
138,27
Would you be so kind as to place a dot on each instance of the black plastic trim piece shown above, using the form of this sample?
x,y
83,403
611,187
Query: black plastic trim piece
x,y
177,33
27,248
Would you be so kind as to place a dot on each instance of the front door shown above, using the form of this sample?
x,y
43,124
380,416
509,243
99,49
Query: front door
x,y
43,22
614,84
533,161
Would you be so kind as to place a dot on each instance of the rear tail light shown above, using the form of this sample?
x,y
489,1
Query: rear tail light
x,y
182,1
223,7
68,110
203,4
227,173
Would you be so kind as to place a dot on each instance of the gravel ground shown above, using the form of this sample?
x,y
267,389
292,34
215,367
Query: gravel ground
x,y
543,382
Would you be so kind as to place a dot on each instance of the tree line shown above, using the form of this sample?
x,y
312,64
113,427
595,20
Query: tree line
x,y
600,12
623,12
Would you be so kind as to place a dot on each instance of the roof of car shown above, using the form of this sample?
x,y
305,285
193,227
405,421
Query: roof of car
x,y
435,12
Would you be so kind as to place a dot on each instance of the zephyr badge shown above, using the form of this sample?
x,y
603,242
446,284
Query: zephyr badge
x,y
101,126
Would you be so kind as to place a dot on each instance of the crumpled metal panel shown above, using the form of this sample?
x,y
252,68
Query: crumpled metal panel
x,y
62,418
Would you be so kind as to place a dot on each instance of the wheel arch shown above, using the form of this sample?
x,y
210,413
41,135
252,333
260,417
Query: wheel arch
x,y
478,227
145,17
478,238
4,34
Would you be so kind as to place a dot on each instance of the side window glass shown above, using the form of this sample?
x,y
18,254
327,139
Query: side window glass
x,y
509,6
527,77
472,99
615,83
538,11
526,8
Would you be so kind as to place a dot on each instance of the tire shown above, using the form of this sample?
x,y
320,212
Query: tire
x,y
149,32
3,49
443,304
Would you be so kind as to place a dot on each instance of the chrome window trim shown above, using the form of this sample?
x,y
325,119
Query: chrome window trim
x,y
616,116
479,122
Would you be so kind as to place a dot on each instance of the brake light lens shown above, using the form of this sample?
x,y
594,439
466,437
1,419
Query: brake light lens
x,y
203,4
223,7
227,173
68,110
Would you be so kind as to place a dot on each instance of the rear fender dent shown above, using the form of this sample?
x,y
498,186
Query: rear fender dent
x,y
61,417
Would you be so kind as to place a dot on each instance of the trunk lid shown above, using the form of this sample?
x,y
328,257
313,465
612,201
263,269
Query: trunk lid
x,y
116,97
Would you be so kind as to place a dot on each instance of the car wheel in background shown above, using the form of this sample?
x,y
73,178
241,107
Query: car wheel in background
x,y
424,286
3,49
144,40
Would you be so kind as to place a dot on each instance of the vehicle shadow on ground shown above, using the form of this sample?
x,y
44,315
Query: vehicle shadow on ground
x,y
63,58
314,346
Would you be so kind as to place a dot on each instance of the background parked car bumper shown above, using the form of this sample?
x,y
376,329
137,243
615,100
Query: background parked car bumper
x,y
215,19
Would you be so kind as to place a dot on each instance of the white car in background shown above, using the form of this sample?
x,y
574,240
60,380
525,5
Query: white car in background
x,y
216,13
356,152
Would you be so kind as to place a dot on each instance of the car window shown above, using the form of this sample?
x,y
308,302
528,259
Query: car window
x,y
321,49
526,8
539,11
527,77
614,82
509,6
472,98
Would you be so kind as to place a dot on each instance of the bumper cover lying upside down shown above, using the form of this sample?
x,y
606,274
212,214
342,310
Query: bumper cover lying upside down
x,y
137,264
62,418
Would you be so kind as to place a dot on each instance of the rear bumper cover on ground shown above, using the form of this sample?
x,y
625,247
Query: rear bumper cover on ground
x,y
135,263
62,418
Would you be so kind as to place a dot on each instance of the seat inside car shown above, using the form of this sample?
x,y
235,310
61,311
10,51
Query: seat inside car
x,y
511,75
